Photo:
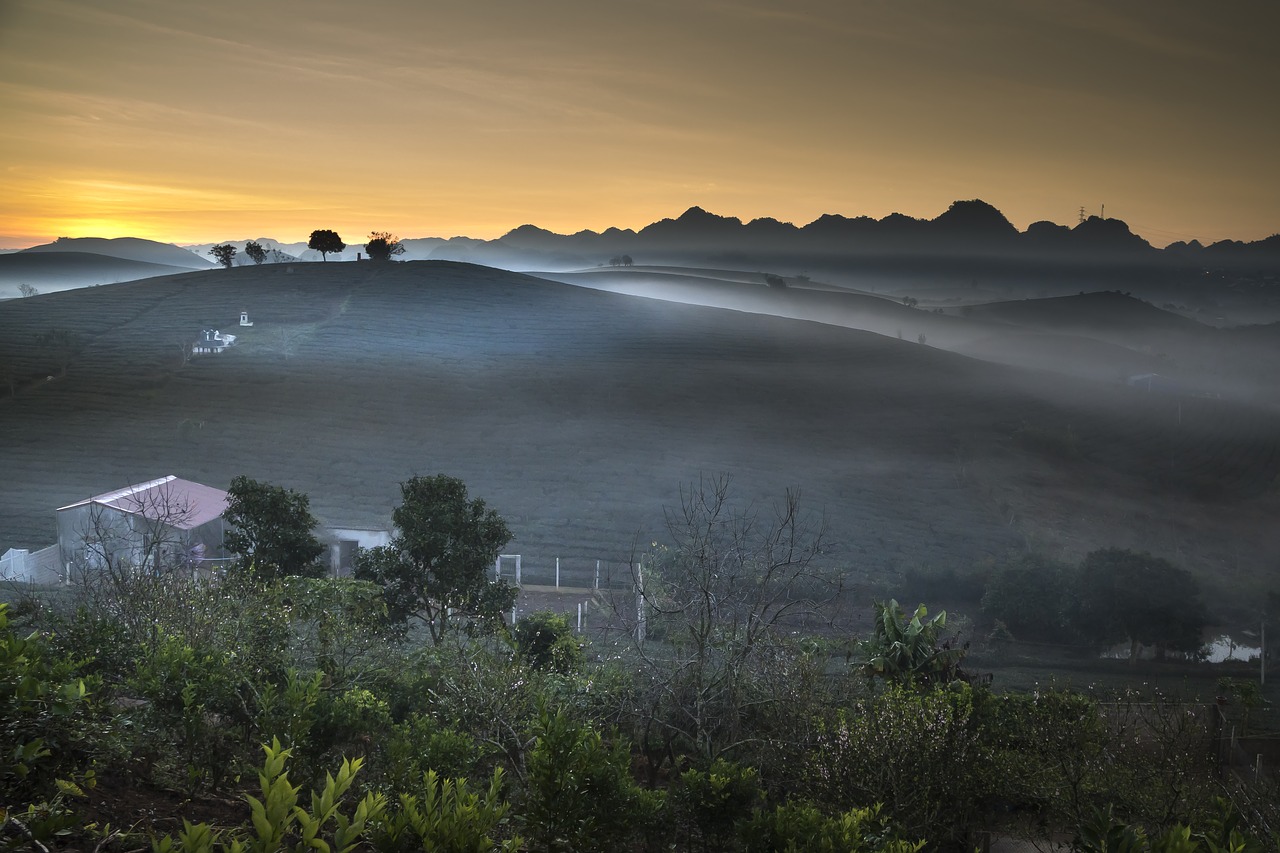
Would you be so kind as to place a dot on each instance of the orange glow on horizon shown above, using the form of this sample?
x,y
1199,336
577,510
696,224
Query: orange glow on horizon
x,y
167,125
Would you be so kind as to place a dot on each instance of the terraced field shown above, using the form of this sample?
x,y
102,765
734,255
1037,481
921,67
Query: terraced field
x,y
578,414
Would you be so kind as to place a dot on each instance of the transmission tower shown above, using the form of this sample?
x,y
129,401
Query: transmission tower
x,y
1082,213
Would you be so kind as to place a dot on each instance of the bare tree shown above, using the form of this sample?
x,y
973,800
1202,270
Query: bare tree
x,y
126,559
707,624
27,290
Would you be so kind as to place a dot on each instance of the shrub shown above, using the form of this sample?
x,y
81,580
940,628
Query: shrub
x,y
708,805
546,642
580,795
796,826
917,752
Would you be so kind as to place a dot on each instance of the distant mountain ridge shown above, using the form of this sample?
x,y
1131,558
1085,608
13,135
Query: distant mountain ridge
x,y
971,231
127,248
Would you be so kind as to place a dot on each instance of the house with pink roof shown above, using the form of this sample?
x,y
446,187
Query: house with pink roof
x,y
163,525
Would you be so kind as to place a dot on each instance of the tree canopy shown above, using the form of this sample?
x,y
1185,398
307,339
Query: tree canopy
x,y
1135,596
271,528
224,254
254,250
383,245
436,568
324,242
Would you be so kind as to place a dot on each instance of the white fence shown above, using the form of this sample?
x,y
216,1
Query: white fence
x,y
19,564
569,574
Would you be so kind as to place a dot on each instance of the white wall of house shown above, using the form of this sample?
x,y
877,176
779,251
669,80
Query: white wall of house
x,y
345,541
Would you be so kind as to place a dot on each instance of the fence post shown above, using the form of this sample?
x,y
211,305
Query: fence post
x,y
497,568
579,617
518,570
557,572
597,586
640,615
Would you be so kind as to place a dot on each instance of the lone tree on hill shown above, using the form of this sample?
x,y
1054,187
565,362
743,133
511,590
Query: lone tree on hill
x,y
271,529
436,569
255,251
324,242
1147,600
224,254
382,246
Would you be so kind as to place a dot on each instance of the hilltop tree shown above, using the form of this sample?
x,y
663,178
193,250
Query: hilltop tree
x,y
436,569
271,528
27,290
1147,600
255,251
383,245
224,254
324,242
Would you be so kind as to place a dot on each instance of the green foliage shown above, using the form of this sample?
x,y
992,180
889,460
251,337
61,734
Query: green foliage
x,y
254,250
421,743
905,650
383,246
545,640
288,709
195,701
708,805
49,719
324,242
796,827
918,752
449,818
1030,595
1103,832
1246,693
1149,601
281,822
341,628
224,254
579,792
436,568
272,529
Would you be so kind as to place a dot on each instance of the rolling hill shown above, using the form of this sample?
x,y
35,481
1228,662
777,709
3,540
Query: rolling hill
x,y
127,248
579,414
62,270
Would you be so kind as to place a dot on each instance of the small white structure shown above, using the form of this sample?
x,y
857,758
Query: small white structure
x,y
213,341
345,541
244,319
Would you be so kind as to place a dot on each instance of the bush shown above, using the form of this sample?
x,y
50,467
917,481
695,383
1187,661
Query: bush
x,y
917,752
50,727
795,826
546,642
708,805
580,795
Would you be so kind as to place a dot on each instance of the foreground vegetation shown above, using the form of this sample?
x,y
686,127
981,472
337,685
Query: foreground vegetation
x,y
265,712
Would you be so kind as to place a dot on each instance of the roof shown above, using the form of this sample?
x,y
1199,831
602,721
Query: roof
x,y
178,503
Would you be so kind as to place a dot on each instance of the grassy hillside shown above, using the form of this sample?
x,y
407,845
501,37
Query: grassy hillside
x,y
50,271
578,414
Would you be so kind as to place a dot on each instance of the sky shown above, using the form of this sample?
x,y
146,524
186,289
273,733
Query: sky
x,y
193,122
